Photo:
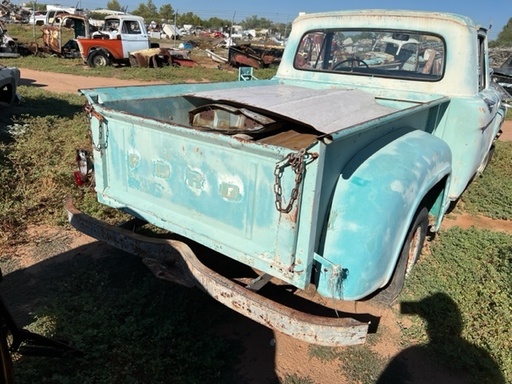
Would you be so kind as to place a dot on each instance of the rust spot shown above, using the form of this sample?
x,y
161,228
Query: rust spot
x,y
253,56
227,295
159,57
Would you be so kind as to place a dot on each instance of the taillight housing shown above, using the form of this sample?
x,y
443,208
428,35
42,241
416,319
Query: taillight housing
x,y
85,166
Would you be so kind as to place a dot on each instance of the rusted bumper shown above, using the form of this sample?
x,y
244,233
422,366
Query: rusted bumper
x,y
181,265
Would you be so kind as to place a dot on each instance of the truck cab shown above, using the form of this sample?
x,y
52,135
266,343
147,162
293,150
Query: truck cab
x,y
119,35
61,35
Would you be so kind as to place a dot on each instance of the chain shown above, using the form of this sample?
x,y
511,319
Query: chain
x,y
89,112
296,161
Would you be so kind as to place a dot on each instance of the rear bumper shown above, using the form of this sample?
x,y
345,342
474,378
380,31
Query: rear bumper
x,y
179,264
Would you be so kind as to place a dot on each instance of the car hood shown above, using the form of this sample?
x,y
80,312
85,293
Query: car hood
x,y
326,110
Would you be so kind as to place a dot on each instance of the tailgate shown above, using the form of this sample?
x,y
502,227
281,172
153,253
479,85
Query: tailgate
x,y
220,191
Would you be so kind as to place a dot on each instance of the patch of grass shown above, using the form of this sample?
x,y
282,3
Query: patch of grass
x,y
37,160
464,296
131,327
295,379
171,75
359,364
323,353
491,194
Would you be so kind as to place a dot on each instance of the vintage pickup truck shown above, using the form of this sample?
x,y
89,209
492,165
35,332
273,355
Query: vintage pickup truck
x,y
323,181
120,35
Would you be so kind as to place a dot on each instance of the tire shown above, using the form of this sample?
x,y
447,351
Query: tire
x,y
485,162
411,250
98,58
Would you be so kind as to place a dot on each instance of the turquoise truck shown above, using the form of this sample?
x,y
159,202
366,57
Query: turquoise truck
x,y
321,183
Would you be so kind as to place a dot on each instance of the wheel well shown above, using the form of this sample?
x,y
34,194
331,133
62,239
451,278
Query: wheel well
x,y
96,49
434,201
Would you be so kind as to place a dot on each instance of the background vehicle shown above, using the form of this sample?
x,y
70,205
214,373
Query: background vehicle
x,y
120,35
9,80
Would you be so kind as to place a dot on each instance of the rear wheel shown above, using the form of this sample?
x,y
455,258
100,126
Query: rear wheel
x,y
411,250
98,58
485,162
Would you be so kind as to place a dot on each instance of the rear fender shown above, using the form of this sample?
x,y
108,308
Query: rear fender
x,y
113,47
373,203
94,49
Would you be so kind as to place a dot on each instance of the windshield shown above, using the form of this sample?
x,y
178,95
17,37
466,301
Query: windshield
x,y
111,25
396,54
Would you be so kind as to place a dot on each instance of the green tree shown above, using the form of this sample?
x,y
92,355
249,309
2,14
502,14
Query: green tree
x,y
38,6
166,13
189,18
216,23
505,36
283,28
114,5
148,11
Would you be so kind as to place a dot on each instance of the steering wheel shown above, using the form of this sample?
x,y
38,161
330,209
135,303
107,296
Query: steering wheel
x,y
350,63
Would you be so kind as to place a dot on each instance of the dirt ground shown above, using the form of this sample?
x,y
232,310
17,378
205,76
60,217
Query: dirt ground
x,y
268,355
58,82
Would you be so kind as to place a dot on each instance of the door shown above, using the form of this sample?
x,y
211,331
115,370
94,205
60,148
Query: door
x,y
488,98
134,36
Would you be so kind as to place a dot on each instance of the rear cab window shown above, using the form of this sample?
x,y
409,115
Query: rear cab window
x,y
369,52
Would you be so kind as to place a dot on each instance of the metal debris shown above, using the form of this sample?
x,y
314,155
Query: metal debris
x,y
160,57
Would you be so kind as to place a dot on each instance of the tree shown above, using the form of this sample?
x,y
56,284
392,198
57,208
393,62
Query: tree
x,y
166,13
505,36
283,28
217,23
189,18
148,11
38,6
114,5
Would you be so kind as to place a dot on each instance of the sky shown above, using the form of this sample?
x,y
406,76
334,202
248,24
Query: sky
x,y
486,13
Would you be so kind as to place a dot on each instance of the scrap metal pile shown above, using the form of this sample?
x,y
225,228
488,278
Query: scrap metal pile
x,y
256,56
13,13
248,55
9,46
502,75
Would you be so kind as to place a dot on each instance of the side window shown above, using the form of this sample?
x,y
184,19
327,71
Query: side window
x,y
111,25
131,27
482,65
309,51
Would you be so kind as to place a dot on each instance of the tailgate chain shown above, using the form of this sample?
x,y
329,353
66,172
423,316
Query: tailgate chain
x,y
296,161
89,112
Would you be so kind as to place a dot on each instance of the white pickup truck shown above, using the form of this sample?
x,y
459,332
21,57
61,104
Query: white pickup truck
x,y
120,35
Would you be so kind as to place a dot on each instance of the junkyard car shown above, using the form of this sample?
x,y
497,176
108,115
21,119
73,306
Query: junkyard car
x,y
503,76
61,35
9,80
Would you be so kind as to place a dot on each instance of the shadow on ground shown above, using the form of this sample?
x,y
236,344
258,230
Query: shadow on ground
x,y
447,357
131,326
